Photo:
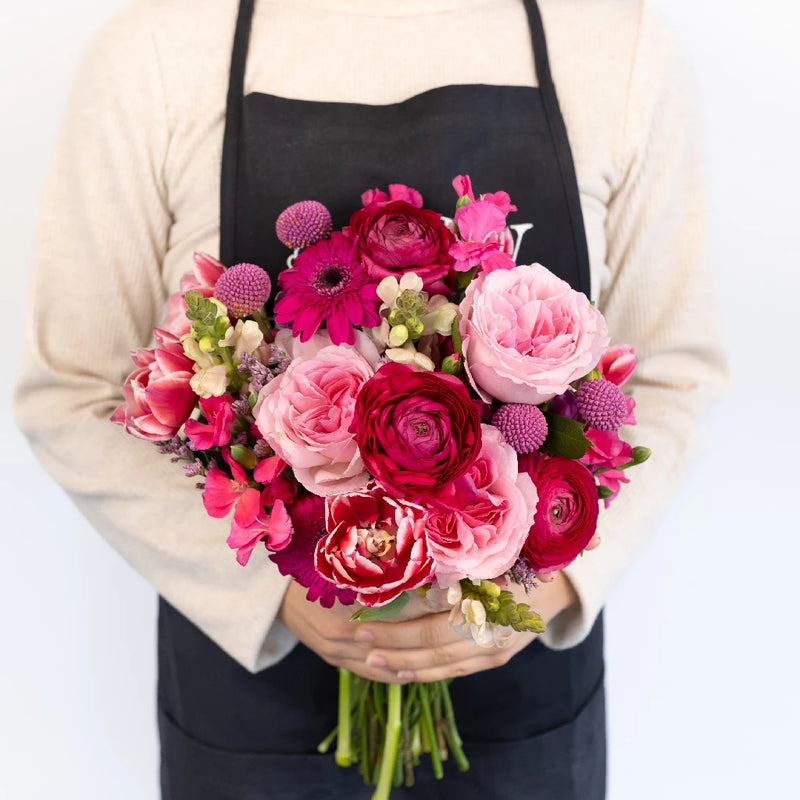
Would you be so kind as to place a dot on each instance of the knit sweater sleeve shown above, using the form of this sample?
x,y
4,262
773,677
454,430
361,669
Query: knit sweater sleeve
x,y
658,299
97,291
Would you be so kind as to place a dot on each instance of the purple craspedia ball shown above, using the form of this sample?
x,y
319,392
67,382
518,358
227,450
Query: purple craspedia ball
x,y
244,289
601,404
523,426
303,224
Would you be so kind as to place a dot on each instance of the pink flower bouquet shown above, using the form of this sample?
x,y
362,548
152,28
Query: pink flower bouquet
x,y
417,412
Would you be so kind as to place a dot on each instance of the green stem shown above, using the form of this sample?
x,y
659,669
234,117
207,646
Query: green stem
x,y
390,741
343,754
427,722
453,736
325,744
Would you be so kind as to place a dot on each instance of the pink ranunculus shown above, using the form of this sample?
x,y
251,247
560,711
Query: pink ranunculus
x,y
203,277
305,415
527,334
604,457
416,431
396,237
566,516
617,364
375,545
478,527
216,432
158,397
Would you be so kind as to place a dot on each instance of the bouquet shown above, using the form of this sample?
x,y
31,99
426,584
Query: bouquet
x,y
417,414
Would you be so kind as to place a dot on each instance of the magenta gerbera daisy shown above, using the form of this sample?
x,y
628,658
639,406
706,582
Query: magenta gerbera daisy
x,y
328,283
297,558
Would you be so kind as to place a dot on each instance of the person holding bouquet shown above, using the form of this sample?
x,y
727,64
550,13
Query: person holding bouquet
x,y
191,127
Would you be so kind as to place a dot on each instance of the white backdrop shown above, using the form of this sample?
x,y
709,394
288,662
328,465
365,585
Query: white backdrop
x,y
702,669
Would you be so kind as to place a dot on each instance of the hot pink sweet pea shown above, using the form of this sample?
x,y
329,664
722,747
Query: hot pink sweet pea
x,y
483,237
216,431
527,334
416,431
478,527
397,191
306,413
396,237
202,278
158,397
375,545
566,515
606,453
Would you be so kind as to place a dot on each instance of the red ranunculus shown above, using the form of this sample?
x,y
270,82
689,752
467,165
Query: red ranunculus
x,y
416,431
566,516
396,237
375,545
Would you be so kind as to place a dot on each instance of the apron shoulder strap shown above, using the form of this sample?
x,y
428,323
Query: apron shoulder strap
x,y
558,134
233,123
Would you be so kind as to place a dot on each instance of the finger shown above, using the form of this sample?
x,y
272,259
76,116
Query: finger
x,y
429,631
425,658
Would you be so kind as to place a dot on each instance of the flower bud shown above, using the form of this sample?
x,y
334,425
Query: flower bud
x,y
453,364
207,344
398,336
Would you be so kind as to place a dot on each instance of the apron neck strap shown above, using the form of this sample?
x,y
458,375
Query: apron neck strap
x,y
233,123
558,134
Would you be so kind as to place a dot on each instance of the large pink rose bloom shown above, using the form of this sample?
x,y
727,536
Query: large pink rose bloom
x,y
375,546
305,415
527,334
158,397
478,528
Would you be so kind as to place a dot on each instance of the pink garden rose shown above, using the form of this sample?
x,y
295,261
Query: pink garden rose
x,y
527,334
566,516
396,237
375,545
202,278
416,431
158,397
306,413
478,527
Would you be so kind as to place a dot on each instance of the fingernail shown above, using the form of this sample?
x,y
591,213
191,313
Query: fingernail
x,y
376,660
364,635
405,675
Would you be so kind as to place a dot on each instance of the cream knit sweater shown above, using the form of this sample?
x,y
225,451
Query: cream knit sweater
x,y
134,190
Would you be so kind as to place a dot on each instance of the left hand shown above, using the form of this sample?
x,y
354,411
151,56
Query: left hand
x,y
427,648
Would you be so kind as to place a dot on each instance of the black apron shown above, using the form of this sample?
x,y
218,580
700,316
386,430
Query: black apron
x,y
534,728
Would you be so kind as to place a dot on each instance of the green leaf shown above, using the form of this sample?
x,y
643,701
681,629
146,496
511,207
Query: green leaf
x,y
565,437
604,492
455,334
381,612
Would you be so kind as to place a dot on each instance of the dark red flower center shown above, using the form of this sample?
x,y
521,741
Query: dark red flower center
x,y
330,279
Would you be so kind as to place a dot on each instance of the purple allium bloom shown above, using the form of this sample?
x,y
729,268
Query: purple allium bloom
x,y
303,224
297,559
328,283
243,289
523,426
602,404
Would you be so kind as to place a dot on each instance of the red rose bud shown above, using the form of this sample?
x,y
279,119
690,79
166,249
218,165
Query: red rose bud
x,y
416,431
566,515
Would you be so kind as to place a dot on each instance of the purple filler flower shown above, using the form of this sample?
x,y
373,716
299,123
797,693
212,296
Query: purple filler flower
x,y
328,284
297,558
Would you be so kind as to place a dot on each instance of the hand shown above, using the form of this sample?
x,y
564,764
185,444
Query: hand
x,y
422,648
